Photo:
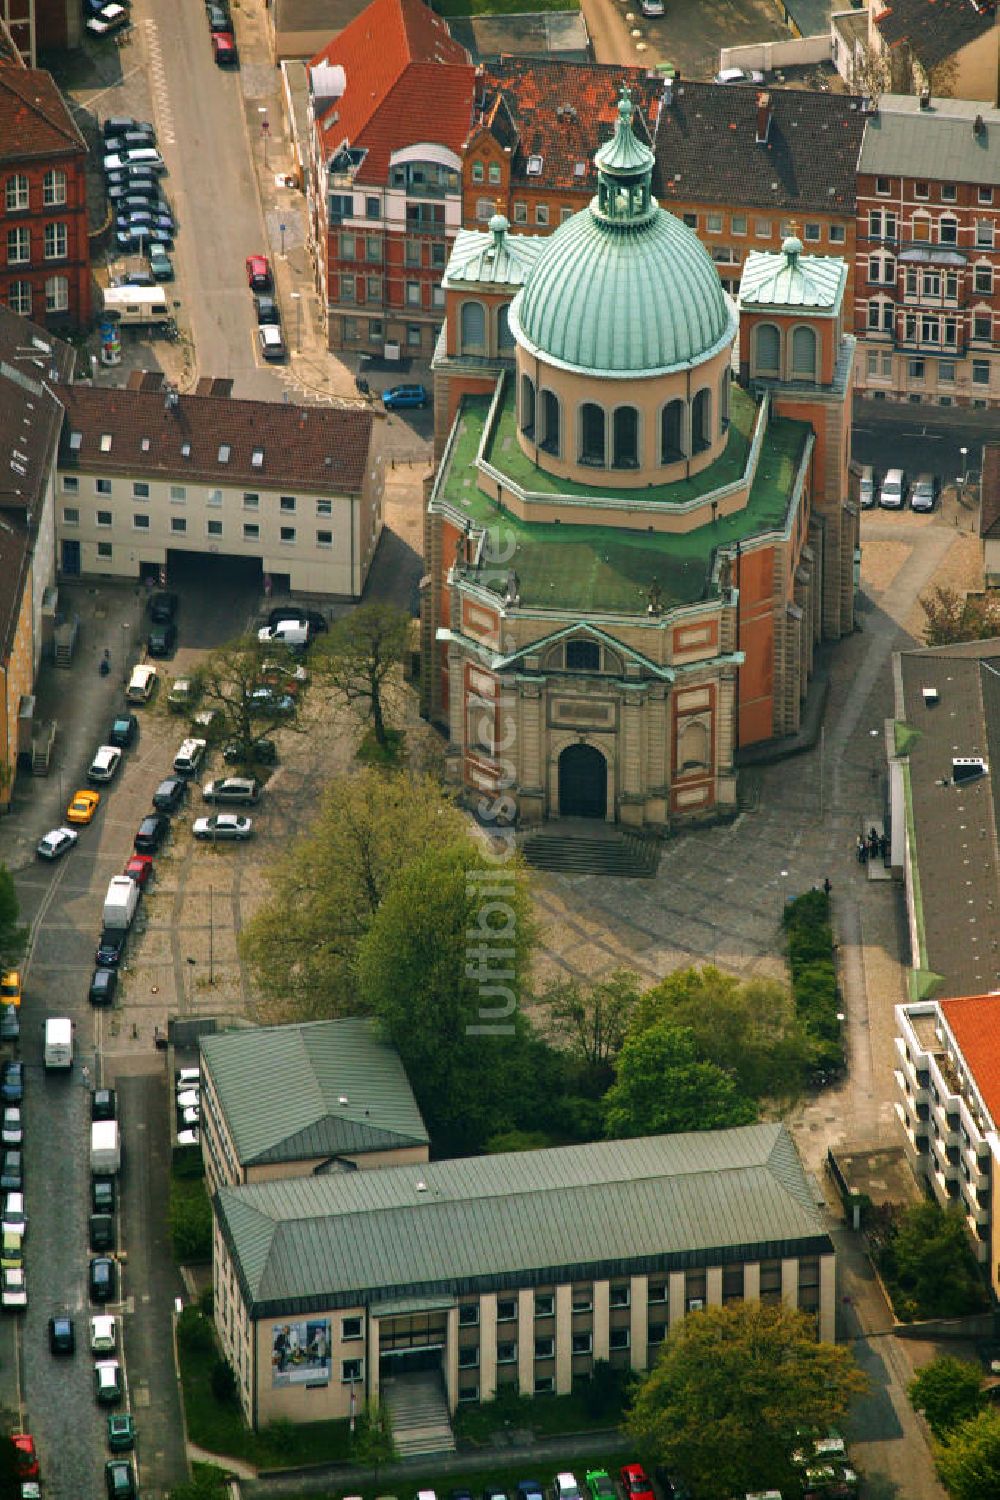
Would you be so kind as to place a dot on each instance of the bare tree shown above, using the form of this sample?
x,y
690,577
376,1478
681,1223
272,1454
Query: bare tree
x,y
361,653
871,72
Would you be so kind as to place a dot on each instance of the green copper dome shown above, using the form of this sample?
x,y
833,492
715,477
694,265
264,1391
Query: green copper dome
x,y
623,289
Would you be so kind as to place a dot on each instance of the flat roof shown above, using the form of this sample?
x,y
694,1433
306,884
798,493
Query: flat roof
x,y
609,569
609,1208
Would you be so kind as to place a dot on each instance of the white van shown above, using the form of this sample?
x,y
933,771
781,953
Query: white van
x,y
136,305
288,632
59,1042
141,684
189,757
893,492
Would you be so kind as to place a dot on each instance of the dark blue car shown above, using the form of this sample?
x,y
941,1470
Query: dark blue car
x,y
399,396
12,1082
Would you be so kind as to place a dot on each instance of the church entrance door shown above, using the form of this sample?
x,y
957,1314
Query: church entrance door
x,y
583,783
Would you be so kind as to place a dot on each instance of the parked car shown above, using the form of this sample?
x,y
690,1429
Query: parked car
x,y
272,345
139,237
10,1026
13,1289
263,752
600,1485
892,495
139,867
258,272
12,1171
12,1082
120,188
267,309
310,617
10,987
62,1336
160,264
83,806
924,494
399,396
101,1233
239,791
868,488
103,984
11,1126
182,693
121,1432
119,1479
102,1278
267,700
102,1195
222,826
161,640
56,842
110,947
14,1219
190,756
218,18
142,156
151,833
109,18
162,607
27,1455
224,49
103,1105
635,1482
565,1487
123,731
105,763
118,125
652,7
107,1382
739,75
142,684
129,177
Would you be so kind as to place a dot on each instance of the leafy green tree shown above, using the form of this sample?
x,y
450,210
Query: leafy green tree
x,y
518,1140
929,1266
228,680
968,1460
362,651
13,936
443,966
662,1085
948,1391
326,889
372,1445
10,1481
746,1027
951,616
722,1405
593,1020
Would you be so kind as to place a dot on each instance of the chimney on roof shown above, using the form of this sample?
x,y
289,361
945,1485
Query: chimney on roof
x,y
925,98
978,125
763,117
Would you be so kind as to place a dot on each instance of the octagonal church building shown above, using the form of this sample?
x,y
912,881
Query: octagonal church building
x,y
639,526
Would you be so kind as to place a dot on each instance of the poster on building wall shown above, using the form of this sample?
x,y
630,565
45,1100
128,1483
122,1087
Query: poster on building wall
x,y
300,1353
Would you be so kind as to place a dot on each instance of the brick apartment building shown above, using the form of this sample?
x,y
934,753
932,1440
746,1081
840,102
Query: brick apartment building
x,y
44,249
927,276
744,168
390,104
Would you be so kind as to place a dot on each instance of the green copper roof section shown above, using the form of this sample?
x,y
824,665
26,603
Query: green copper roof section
x,y
624,155
791,279
495,259
598,570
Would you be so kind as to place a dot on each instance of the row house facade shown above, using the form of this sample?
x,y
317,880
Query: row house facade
x,y
927,274
739,166
390,102
44,246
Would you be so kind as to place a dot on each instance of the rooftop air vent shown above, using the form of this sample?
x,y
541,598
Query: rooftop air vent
x,y
967,768
421,1186
930,696
534,167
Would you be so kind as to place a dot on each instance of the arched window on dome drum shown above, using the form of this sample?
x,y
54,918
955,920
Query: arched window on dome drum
x,y
803,354
672,448
767,350
724,385
550,422
473,328
701,421
626,438
505,339
592,438
527,406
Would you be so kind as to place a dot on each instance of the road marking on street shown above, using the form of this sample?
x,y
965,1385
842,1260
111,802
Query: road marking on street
x,y
158,77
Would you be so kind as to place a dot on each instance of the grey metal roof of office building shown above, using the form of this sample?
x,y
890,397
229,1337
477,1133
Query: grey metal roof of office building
x,y
525,1218
326,1088
954,827
937,144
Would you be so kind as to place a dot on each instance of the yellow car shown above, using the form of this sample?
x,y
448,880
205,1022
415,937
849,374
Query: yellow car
x,y
83,806
10,987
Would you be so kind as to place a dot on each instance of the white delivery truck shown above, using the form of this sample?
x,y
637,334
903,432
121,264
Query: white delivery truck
x,y
105,1148
120,903
136,305
59,1042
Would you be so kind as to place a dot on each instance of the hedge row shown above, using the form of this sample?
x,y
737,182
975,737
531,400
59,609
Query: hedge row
x,y
809,941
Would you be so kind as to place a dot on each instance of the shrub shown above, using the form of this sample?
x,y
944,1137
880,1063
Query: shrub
x,y
190,1219
206,1301
195,1332
224,1383
809,939
926,1261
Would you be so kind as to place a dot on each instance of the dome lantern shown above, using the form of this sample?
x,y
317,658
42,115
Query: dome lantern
x,y
624,171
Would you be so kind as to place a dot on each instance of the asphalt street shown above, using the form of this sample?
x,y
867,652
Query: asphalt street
x,y
920,439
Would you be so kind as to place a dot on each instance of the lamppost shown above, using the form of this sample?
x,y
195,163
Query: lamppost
x,y
265,127
297,299
873,735
960,483
125,630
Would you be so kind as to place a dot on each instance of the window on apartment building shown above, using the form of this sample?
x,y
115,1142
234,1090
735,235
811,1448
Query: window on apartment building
x,y
948,231
324,538
373,208
375,333
951,286
17,193
887,366
373,249
351,1370
713,223
214,499
478,172
980,372
214,528
814,232
545,1305
950,332
918,369
520,213
70,484
468,1314
583,1343
140,490
250,500
984,233
619,1295
583,1300
19,297
506,1310
413,256
347,246
691,220
178,524
351,1328
932,283
762,228
102,486
54,188
494,173
468,1357
883,187
413,298
982,325
104,549
178,494
485,209
414,335
347,290
872,363
56,294
18,246
949,192
544,1385
71,515
324,507
439,256
618,1338
946,372
56,241
787,227
982,279
140,522
545,1347
251,531
921,190
507,1353
104,518
287,534
542,214
838,234
657,1292
565,214
985,196
738,223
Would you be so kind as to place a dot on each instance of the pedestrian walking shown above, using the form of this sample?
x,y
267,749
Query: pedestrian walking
x,y
873,838
883,846
827,887
862,850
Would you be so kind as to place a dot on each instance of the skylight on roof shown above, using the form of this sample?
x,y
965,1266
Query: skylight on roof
x,y
580,170
534,167
257,458
224,451
105,442
75,439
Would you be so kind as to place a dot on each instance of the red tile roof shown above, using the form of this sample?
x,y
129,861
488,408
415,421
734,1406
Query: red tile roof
x,y
321,448
562,112
34,117
407,81
975,1024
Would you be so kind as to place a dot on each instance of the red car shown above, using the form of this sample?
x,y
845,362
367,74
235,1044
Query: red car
x,y
258,272
223,49
140,867
635,1482
27,1458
